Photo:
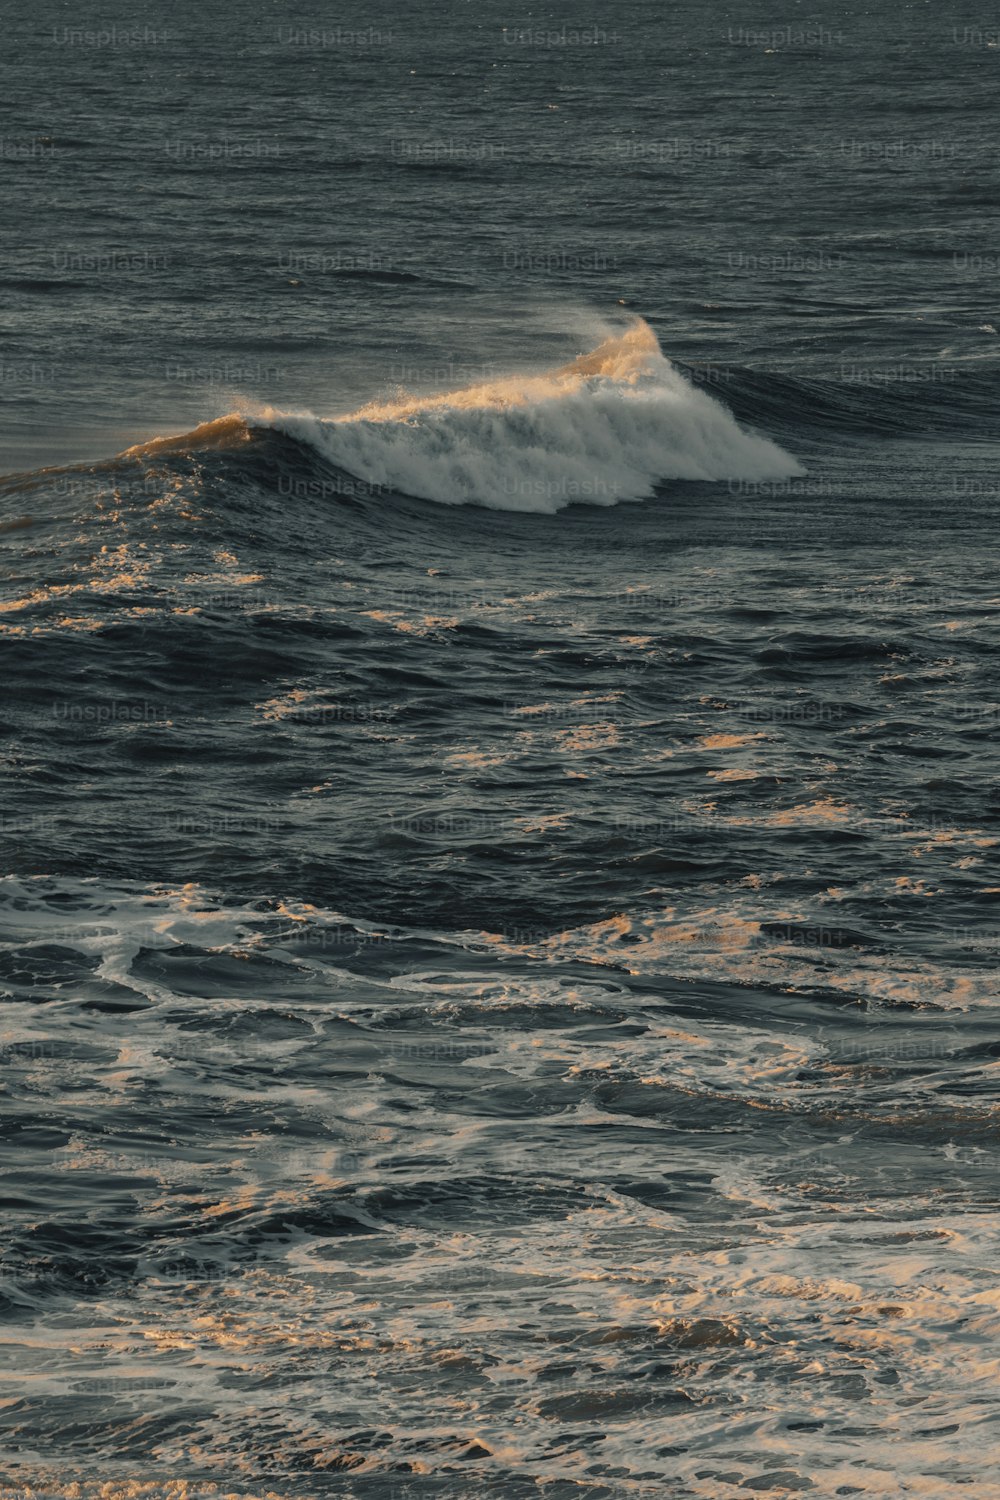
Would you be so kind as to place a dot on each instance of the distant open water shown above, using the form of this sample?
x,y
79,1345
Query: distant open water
x,y
498,937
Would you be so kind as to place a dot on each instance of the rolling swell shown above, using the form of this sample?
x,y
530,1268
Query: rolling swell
x,y
903,400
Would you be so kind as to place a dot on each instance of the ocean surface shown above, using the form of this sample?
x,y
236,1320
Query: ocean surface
x,y
499,809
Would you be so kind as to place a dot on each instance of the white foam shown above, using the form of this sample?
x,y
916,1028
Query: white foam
x,y
601,430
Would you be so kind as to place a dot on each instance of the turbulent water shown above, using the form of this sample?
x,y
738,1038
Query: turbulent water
x,y
499,806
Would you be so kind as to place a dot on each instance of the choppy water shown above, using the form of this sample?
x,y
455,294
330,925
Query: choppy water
x,y
499,813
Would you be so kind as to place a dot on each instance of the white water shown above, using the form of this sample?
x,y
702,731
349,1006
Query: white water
x,y
603,429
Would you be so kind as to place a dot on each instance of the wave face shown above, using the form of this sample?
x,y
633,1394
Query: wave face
x,y
602,429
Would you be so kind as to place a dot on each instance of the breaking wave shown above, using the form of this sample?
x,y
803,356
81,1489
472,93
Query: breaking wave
x,y
602,429
605,428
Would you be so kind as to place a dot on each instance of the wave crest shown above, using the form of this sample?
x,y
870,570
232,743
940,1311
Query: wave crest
x,y
602,429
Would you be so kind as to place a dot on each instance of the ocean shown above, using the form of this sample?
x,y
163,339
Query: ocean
x,y
499,807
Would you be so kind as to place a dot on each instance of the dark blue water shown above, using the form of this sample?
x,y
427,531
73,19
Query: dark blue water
x,y
499,807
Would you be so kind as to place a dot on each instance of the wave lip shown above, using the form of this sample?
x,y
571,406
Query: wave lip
x,y
224,433
602,429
